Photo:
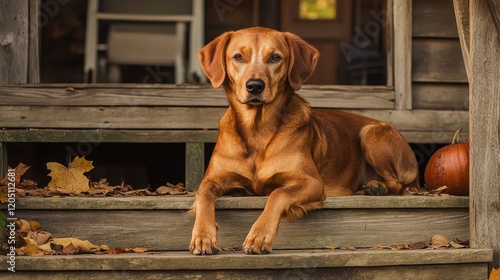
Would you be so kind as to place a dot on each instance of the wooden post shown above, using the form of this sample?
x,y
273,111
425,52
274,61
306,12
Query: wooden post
x,y
402,54
14,42
16,46
484,105
195,165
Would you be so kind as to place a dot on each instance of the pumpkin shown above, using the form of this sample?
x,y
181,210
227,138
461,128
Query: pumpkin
x,y
449,166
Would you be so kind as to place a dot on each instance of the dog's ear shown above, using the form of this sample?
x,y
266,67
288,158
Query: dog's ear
x,y
212,58
303,59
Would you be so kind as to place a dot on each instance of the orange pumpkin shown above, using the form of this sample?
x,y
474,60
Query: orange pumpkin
x,y
449,166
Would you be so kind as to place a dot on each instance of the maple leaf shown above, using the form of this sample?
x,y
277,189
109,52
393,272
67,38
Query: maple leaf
x,y
70,178
495,274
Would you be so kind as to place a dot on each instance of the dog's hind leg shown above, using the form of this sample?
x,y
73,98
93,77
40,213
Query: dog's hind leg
x,y
390,156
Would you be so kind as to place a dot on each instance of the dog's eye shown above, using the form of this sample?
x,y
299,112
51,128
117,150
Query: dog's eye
x,y
275,58
238,57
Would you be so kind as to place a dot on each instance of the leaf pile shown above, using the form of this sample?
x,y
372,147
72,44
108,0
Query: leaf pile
x,y
34,241
71,181
437,242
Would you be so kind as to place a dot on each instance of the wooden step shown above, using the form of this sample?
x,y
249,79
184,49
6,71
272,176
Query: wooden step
x,y
453,264
162,223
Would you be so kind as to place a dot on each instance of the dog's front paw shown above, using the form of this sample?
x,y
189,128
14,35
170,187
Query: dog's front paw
x,y
375,188
204,242
258,242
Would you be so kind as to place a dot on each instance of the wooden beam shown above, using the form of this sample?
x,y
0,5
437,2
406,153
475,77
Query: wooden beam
x,y
14,42
461,8
369,97
195,165
34,42
402,54
485,130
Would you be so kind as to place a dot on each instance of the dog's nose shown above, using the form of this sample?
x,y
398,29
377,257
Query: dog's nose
x,y
255,86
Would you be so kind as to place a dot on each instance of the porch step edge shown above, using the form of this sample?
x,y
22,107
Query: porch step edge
x,y
278,259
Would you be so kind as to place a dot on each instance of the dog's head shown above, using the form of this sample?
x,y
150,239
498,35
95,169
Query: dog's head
x,y
258,63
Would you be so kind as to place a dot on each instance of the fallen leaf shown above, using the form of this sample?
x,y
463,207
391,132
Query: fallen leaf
x,y
69,250
456,245
70,178
83,246
439,241
171,189
331,247
31,249
379,247
495,274
140,250
40,237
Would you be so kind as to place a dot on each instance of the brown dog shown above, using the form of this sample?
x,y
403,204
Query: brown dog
x,y
272,143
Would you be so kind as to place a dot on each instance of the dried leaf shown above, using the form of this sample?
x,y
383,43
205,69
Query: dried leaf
x,y
31,249
139,250
47,249
439,241
495,274
23,226
331,247
19,171
83,246
379,247
40,237
34,225
456,245
69,250
70,178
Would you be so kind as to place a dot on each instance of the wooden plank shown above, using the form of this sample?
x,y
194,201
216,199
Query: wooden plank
x,y
373,97
437,60
434,18
34,42
485,130
241,203
402,51
14,42
356,220
461,8
107,136
194,118
165,261
494,8
440,96
444,271
171,229
195,164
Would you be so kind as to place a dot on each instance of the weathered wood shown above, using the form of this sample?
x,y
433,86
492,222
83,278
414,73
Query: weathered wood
x,y
434,18
14,42
107,136
388,33
289,259
437,60
494,8
344,221
193,118
34,42
461,8
373,97
226,202
168,136
195,164
402,51
485,130
440,96
460,271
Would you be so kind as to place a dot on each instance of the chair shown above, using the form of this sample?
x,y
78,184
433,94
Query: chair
x,y
147,32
